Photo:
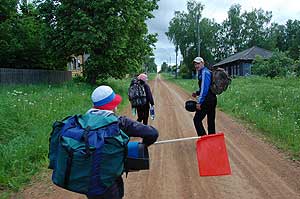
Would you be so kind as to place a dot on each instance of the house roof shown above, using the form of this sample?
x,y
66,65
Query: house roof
x,y
248,54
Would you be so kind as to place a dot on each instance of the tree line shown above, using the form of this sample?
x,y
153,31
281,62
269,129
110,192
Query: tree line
x,y
45,34
239,31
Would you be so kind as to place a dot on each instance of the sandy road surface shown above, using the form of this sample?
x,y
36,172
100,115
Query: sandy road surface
x,y
258,170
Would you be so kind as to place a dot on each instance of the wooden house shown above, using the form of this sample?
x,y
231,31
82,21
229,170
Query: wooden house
x,y
240,63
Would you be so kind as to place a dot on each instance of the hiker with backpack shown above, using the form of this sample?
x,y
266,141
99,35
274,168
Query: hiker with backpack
x,y
141,99
207,100
88,152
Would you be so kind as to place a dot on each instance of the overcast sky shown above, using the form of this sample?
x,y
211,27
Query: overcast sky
x,y
282,10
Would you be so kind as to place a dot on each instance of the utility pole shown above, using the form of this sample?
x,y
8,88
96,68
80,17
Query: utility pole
x,y
198,33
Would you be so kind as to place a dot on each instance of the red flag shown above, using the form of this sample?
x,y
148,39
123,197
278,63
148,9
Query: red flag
x,y
212,155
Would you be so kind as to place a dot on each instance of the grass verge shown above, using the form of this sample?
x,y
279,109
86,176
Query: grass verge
x,y
27,114
270,105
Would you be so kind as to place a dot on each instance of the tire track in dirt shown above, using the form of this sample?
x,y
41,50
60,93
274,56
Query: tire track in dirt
x,y
263,167
253,176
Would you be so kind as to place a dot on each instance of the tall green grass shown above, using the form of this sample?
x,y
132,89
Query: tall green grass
x,y
26,116
271,105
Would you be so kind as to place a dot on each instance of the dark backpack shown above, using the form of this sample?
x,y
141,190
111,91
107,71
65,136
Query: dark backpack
x,y
87,153
220,81
137,93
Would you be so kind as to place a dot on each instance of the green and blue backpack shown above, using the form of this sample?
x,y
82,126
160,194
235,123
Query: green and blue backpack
x,y
87,153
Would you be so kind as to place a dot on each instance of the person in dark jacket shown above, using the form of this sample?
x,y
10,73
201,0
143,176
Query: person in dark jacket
x,y
207,101
143,111
105,103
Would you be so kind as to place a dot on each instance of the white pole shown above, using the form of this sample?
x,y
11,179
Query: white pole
x,y
176,140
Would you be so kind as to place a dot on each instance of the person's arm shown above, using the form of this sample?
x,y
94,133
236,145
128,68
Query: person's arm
x,y
205,84
136,129
149,94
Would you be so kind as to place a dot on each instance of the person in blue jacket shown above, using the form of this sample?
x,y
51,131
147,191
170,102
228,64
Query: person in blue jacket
x,y
105,102
207,101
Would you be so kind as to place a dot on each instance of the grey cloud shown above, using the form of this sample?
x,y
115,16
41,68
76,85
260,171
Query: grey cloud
x,y
165,54
213,9
164,48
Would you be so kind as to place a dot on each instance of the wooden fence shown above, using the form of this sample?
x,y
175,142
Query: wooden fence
x,y
30,76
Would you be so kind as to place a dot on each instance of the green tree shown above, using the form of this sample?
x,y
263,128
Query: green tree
x,y
174,33
149,64
230,34
287,37
183,33
114,34
278,65
184,72
293,38
164,67
278,36
297,67
209,48
21,37
254,31
8,8
244,30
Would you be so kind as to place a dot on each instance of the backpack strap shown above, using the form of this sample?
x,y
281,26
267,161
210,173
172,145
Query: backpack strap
x,y
68,169
125,160
86,140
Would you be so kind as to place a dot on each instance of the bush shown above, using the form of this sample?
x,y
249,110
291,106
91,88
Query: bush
x,y
279,65
297,67
79,78
184,72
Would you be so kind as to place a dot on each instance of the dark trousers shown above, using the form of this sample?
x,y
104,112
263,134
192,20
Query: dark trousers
x,y
116,191
143,114
208,110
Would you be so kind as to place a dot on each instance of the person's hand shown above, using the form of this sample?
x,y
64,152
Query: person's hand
x,y
194,95
198,106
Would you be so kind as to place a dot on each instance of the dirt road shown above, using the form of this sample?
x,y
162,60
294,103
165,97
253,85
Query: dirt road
x,y
258,169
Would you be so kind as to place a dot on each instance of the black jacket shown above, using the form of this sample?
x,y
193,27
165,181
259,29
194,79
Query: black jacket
x,y
148,93
136,129
131,127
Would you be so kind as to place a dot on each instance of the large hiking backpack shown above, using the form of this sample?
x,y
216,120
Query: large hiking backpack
x,y
87,153
220,81
137,93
